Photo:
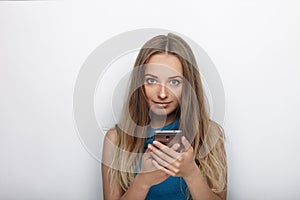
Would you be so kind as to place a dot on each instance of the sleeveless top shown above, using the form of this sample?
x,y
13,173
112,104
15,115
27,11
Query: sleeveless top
x,y
174,188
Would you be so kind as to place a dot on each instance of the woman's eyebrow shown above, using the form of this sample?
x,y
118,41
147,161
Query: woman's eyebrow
x,y
171,77
151,75
175,77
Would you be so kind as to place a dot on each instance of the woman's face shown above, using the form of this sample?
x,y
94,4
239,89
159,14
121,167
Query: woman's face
x,y
163,82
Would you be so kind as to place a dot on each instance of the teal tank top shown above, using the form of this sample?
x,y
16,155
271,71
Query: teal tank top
x,y
174,188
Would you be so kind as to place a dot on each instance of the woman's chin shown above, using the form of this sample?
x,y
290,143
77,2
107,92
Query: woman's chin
x,y
159,112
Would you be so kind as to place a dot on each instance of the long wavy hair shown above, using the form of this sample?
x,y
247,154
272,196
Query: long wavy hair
x,y
205,136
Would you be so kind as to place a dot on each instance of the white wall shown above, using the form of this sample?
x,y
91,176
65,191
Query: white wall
x,y
43,44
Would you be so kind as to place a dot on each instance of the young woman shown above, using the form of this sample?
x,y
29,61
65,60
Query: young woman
x,y
165,93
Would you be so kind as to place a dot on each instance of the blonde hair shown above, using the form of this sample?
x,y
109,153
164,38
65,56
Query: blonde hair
x,y
206,136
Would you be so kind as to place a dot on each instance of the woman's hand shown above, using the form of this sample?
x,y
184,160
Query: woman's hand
x,y
149,173
172,162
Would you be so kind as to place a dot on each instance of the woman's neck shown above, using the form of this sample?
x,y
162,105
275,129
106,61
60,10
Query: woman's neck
x,y
161,120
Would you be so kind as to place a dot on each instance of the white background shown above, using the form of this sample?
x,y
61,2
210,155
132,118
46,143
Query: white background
x,y
254,44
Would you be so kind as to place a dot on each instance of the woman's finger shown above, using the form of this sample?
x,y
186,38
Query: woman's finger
x,y
175,146
165,164
185,143
147,152
167,150
161,154
163,169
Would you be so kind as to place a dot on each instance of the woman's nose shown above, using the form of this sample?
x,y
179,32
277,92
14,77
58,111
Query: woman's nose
x,y
162,92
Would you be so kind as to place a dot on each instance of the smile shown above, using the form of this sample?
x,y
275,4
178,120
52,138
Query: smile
x,y
162,104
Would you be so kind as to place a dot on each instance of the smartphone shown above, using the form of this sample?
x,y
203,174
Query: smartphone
x,y
168,137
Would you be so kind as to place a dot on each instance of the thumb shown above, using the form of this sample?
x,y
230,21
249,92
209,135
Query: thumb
x,y
148,151
185,143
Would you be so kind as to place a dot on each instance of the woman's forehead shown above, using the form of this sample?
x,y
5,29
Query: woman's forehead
x,y
164,65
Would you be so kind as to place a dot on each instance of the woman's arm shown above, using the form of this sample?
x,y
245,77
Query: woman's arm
x,y
139,188
184,165
108,148
198,186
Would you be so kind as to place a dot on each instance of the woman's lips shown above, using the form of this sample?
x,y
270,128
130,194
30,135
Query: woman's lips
x,y
162,104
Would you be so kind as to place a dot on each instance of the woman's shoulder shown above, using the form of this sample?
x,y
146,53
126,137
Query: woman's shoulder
x,y
111,135
215,138
215,128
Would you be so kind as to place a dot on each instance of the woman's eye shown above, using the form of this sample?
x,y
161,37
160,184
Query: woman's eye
x,y
174,82
150,81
